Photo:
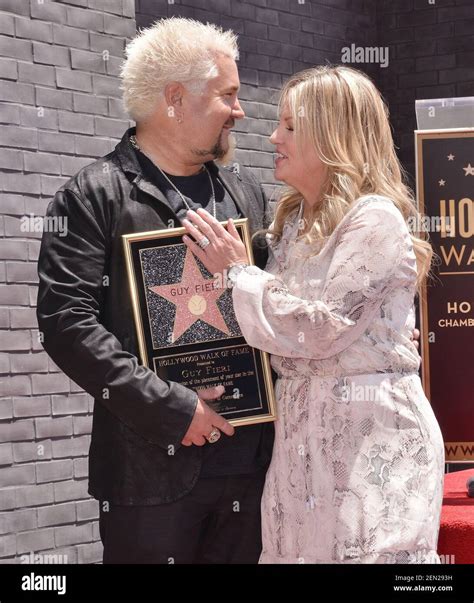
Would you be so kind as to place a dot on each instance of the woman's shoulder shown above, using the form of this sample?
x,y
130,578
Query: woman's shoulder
x,y
373,201
374,208
290,222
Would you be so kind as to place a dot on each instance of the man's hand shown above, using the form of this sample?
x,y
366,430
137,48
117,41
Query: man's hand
x,y
205,419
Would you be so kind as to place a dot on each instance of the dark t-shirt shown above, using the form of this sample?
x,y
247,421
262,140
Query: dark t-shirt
x,y
241,453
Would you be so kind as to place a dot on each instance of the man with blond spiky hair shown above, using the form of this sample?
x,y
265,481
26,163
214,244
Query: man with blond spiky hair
x,y
171,488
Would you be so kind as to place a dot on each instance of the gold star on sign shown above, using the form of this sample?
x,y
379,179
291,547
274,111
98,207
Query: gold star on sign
x,y
195,298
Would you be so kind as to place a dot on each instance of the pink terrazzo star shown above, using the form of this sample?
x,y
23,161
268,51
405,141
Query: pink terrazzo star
x,y
195,298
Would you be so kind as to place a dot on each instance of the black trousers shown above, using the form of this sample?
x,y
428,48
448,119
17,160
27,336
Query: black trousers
x,y
217,522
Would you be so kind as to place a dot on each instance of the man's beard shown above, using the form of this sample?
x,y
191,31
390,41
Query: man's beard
x,y
220,154
228,155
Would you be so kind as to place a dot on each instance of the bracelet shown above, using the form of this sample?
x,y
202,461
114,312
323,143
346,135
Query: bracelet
x,y
233,271
237,264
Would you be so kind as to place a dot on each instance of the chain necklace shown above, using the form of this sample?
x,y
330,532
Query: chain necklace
x,y
134,143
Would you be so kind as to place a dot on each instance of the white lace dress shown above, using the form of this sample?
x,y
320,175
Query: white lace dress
x,y
358,462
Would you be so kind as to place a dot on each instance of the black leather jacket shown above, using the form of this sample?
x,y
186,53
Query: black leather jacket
x,y
84,312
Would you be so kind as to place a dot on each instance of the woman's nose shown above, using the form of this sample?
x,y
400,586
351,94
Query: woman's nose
x,y
273,137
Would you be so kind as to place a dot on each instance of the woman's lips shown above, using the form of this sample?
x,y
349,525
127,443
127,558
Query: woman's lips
x,y
279,158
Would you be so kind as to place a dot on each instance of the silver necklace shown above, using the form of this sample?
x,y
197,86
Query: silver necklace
x,y
134,143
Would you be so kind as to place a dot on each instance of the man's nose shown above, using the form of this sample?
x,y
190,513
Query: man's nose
x,y
237,111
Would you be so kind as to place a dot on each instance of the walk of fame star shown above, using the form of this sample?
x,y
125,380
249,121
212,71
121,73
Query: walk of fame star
x,y
195,298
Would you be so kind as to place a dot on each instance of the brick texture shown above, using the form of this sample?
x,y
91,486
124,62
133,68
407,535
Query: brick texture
x,y
276,38
430,46
60,109
50,126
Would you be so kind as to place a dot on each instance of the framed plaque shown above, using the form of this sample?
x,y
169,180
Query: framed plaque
x,y
186,327
445,186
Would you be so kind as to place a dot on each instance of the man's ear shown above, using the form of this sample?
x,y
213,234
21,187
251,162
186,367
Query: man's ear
x,y
174,99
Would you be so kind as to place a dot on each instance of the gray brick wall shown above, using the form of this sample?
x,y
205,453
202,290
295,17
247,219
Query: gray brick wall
x,y
431,56
60,109
276,38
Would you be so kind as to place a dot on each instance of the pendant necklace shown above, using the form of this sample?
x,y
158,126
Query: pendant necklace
x,y
135,145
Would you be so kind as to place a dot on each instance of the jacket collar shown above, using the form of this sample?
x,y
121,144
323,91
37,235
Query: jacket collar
x,y
233,184
131,166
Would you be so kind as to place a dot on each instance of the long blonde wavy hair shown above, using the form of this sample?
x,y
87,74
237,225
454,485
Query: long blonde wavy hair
x,y
339,111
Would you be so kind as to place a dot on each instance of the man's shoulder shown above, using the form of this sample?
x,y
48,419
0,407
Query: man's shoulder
x,y
99,175
242,176
241,172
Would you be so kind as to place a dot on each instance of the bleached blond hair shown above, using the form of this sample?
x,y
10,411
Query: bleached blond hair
x,y
171,50
340,112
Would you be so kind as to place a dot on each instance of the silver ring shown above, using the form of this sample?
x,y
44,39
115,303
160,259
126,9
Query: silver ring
x,y
213,436
203,243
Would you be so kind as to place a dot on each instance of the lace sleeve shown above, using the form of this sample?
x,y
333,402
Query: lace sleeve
x,y
370,247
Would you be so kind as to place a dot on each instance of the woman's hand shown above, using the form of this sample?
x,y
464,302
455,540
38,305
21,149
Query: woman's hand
x,y
225,246
415,338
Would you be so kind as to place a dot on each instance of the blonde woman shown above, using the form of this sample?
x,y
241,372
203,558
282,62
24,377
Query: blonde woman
x,y
357,469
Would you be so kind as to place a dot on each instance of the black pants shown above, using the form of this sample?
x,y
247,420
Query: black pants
x,y
217,522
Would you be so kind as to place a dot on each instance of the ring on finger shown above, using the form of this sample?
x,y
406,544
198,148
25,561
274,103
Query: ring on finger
x,y
196,232
203,243
201,225
213,436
